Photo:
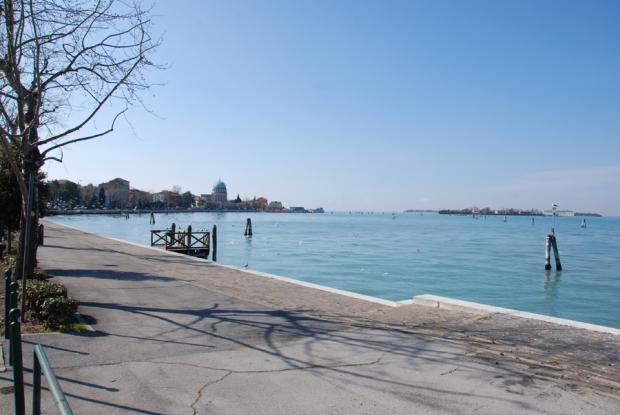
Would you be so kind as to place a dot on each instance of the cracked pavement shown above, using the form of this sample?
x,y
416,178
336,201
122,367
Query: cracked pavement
x,y
176,336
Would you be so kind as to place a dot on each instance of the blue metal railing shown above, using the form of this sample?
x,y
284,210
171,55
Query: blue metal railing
x,y
42,365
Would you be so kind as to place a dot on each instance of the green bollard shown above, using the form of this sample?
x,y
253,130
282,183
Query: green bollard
x,y
7,303
12,305
18,369
36,384
13,294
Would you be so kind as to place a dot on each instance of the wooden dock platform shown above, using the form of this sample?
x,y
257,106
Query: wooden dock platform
x,y
182,241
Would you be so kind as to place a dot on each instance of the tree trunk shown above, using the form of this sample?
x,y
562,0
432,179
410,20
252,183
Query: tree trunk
x,y
31,165
9,239
32,255
19,255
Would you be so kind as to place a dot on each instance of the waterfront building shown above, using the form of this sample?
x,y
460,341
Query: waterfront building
x,y
167,198
139,198
159,197
275,205
559,213
260,202
116,193
220,194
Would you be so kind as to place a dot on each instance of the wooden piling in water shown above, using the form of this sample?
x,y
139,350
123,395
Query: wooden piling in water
x,y
214,243
554,245
548,252
248,228
551,243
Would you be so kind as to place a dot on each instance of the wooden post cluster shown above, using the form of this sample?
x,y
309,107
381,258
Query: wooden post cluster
x,y
248,228
550,243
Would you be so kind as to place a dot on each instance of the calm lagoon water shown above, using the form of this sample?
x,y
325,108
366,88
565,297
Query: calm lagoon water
x,y
483,260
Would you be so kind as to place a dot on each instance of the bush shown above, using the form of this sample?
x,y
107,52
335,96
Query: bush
x,y
57,312
48,303
37,292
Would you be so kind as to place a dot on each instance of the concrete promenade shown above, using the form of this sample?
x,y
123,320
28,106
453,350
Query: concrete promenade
x,y
177,336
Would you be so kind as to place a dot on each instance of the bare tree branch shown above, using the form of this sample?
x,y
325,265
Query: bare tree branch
x,y
90,137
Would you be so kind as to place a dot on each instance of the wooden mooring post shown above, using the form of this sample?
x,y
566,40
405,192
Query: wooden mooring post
x,y
189,238
550,243
214,242
248,228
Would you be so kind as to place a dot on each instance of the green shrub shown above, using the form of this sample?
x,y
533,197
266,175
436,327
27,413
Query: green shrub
x,y
38,291
57,312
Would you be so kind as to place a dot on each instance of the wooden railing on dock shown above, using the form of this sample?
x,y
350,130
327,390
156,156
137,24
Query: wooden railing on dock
x,y
185,242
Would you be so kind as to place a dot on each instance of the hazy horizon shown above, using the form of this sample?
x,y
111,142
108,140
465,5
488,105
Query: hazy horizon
x,y
376,106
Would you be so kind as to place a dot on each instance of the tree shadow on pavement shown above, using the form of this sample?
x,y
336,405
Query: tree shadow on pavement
x,y
108,274
278,328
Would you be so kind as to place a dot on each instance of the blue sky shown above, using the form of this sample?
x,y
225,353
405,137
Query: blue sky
x,y
377,105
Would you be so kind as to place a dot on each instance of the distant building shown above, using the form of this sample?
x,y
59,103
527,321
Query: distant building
x,y
116,193
118,182
275,205
173,199
159,197
167,198
559,213
260,202
297,209
220,194
139,198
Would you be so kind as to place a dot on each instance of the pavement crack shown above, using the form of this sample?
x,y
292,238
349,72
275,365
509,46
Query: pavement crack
x,y
286,369
205,386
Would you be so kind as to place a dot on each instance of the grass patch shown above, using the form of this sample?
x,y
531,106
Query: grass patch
x,y
77,328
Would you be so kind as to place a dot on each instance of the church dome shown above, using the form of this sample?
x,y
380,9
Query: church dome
x,y
219,186
220,194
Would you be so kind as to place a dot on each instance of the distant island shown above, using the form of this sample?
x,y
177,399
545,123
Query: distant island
x,y
117,196
510,212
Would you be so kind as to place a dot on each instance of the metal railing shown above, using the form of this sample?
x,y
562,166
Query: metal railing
x,y
42,365
40,362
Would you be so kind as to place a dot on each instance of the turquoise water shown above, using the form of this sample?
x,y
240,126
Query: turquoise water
x,y
483,260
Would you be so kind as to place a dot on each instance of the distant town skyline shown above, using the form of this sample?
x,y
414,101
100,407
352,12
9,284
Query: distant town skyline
x,y
377,106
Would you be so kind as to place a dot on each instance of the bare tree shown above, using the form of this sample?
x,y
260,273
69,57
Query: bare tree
x,y
61,63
